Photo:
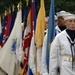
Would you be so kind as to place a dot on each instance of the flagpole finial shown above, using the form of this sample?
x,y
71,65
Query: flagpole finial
x,y
5,13
20,4
9,10
27,2
13,7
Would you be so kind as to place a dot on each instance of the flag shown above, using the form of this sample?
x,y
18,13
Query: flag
x,y
12,22
30,72
26,45
0,26
51,31
0,29
6,30
34,15
33,25
32,55
8,56
25,19
3,28
40,26
39,35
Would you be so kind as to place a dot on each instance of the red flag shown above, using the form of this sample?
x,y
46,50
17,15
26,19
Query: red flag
x,y
26,43
6,31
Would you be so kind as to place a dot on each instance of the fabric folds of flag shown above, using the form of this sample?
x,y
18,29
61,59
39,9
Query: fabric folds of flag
x,y
8,56
25,19
39,35
40,26
6,30
51,31
33,25
3,28
26,46
0,26
12,22
34,15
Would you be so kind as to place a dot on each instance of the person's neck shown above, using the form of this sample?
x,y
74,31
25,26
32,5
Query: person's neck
x,y
71,33
62,27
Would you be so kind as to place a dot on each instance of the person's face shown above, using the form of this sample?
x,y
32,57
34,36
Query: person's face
x,y
61,21
46,25
70,24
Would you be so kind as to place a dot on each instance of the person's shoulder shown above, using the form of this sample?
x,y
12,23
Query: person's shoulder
x,y
61,34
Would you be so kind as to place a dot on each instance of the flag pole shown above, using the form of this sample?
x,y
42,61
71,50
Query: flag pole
x,y
18,7
20,4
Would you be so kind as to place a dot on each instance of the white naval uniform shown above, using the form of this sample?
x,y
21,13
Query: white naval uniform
x,y
39,59
57,30
44,66
61,45
35,56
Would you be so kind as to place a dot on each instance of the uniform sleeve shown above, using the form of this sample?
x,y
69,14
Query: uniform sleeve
x,y
32,57
53,61
44,66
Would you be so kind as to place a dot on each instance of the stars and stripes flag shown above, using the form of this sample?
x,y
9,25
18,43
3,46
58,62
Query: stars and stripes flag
x,y
6,30
3,28
26,45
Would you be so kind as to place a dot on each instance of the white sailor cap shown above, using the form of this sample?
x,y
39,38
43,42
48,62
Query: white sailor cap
x,y
61,13
69,16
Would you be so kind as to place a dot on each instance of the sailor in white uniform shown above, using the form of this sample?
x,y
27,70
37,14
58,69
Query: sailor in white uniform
x,y
35,56
61,23
43,65
63,46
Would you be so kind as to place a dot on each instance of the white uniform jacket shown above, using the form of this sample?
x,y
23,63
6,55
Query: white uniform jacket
x,y
44,66
60,47
35,56
57,30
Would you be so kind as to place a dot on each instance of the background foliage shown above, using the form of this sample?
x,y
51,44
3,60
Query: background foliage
x,y
67,5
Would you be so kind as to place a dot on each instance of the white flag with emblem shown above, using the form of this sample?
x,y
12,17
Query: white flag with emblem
x,y
8,56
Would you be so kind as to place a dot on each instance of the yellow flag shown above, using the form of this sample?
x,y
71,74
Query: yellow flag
x,y
40,26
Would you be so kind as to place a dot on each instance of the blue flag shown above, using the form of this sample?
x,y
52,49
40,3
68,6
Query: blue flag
x,y
3,28
26,11
34,15
51,31
29,71
12,22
